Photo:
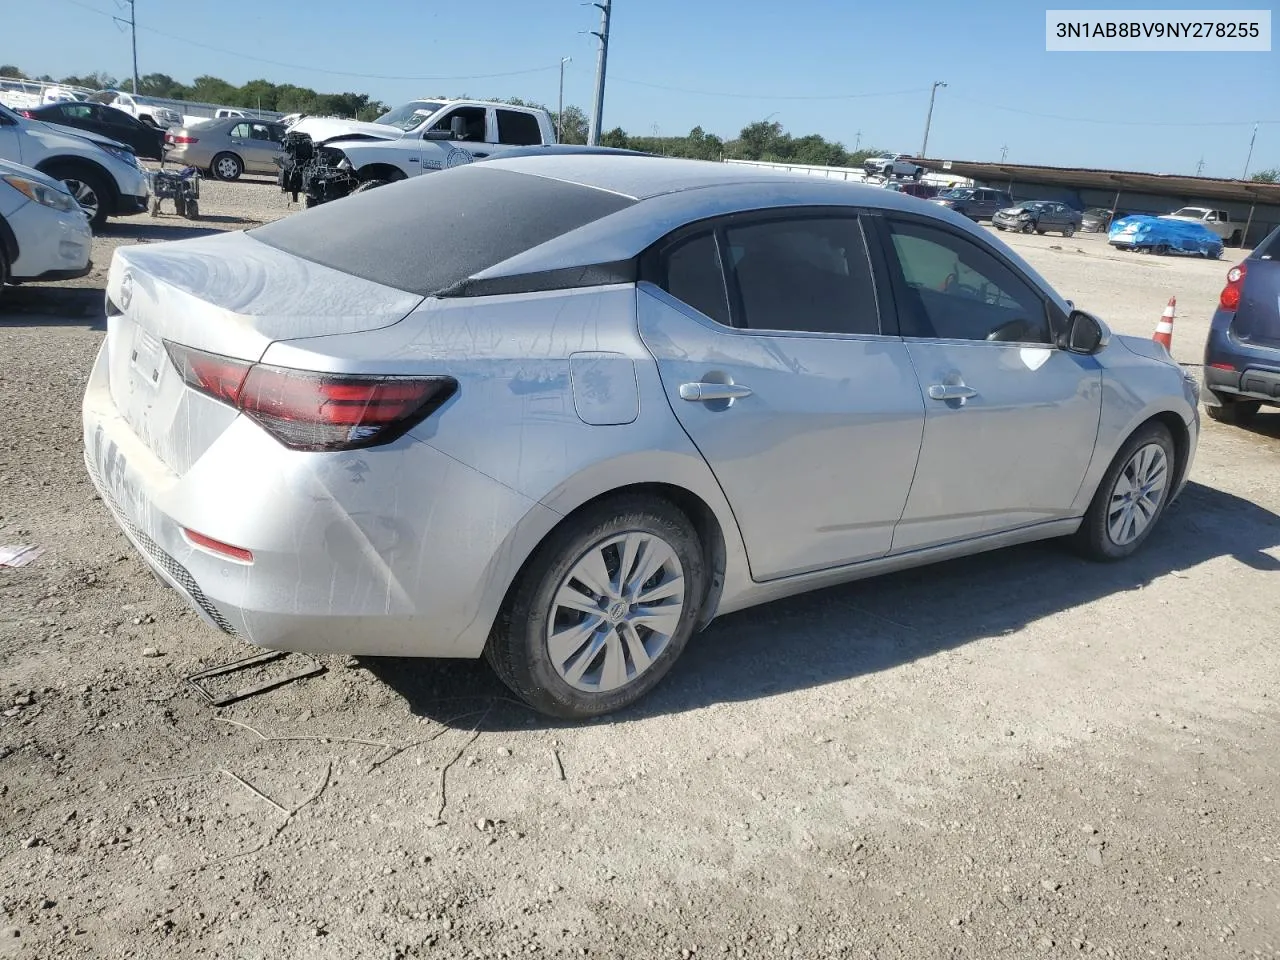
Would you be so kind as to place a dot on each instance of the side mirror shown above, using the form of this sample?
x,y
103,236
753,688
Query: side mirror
x,y
1085,334
458,127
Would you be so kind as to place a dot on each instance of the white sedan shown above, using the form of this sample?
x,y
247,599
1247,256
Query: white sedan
x,y
44,235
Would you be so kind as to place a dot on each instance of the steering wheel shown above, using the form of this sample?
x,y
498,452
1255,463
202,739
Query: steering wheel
x,y
950,282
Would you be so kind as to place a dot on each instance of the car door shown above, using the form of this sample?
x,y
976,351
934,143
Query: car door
x,y
260,148
440,151
11,139
767,335
1010,419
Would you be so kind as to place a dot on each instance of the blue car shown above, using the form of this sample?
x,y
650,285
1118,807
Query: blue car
x,y
1242,354
1161,236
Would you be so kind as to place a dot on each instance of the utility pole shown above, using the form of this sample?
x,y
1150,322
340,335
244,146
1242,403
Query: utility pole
x,y
560,114
1245,175
857,141
597,111
1004,152
1200,166
929,119
132,24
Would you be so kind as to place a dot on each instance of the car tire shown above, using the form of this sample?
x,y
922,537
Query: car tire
x,y
368,185
193,210
520,647
227,167
89,188
1069,230
1160,249
1113,527
1232,410
4,269
1000,228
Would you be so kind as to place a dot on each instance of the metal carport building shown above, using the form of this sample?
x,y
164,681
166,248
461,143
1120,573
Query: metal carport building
x,y
1256,206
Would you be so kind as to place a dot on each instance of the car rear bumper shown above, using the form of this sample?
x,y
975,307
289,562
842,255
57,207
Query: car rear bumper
x,y
1238,367
387,552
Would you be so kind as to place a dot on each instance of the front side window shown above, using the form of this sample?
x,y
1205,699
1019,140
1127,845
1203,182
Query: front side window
x,y
956,290
808,274
473,123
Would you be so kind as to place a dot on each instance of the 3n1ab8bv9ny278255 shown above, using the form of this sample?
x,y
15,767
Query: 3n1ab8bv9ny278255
x,y
590,402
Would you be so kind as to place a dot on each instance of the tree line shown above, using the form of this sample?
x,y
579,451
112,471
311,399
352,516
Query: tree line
x,y
762,140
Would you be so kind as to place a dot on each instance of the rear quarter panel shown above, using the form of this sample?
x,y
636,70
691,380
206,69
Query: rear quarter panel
x,y
532,371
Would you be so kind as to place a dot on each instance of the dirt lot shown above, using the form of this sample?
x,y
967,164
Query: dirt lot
x,y
1018,755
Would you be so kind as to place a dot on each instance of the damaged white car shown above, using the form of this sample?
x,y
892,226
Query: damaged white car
x,y
325,158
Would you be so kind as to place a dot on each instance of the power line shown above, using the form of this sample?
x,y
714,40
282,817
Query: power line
x,y
759,96
311,67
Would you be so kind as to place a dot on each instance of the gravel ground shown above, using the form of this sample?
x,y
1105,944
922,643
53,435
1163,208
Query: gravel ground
x,y
1015,755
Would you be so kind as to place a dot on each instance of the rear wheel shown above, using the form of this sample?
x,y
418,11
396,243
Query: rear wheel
x,y
1232,410
1131,497
226,166
193,210
602,610
4,269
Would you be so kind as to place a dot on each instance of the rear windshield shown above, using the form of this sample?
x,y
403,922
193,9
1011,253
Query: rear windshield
x,y
426,234
1269,248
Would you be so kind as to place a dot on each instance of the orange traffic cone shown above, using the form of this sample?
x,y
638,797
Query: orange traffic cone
x,y
1164,326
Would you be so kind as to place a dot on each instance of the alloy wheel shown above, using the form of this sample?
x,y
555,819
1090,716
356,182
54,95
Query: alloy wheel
x,y
1137,495
85,195
615,611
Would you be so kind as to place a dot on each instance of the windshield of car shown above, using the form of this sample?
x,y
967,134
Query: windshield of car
x,y
1197,213
410,115
479,217
956,194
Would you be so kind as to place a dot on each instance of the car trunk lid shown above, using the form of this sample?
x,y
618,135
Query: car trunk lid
x,y
1257,318
228,295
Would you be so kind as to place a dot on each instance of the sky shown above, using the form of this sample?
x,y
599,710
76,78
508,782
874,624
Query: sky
x,y
853,71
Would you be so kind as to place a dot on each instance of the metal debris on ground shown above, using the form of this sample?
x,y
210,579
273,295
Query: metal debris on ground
x,y
18,555
310,668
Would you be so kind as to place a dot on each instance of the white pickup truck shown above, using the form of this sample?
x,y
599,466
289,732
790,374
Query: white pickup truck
x,y
896,165
417,137
1219,221
157,115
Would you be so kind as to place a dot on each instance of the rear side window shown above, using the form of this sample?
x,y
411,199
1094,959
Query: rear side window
x,y
805,275
518,129
428,233
692,273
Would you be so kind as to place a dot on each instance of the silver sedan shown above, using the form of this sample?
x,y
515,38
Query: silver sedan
x,y
227,148
563,411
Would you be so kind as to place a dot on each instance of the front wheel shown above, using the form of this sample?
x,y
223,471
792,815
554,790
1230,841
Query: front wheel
x,y
368,185
602,609
1069,230
1131,497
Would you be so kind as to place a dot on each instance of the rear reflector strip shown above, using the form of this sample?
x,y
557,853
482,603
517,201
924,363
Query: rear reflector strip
x,y
239,554
1223,366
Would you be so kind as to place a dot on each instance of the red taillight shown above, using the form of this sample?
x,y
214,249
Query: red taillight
x,y
1223,366
307,410
1229,299
170,138
218,547
220,377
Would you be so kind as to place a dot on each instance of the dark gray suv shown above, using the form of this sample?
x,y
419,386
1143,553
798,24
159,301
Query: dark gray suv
x,y
976,203
1242,353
